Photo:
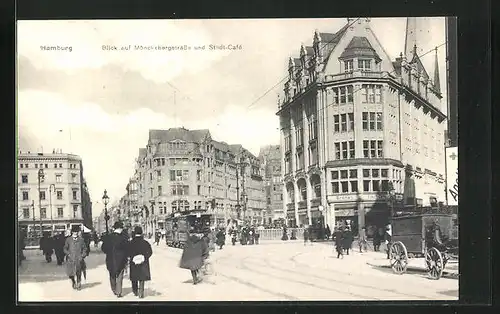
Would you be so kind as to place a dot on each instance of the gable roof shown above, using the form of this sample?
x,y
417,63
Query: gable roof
x,y
332,40
359,47
192,136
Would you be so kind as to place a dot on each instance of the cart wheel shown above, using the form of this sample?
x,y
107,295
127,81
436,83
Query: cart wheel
x,y
435,263
398,257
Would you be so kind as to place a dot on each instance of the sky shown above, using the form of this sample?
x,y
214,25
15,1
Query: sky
x,y
100,103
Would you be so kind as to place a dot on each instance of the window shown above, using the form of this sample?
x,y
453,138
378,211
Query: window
x,y
36,165
75,211
60,165
364,64
335,175
288,142
376,186
354,186
385,173
75,196
366,173
343,95
58,178
158,175
366,185
313,129
180,190
185,174
348,65
26,213
375,149
151,192
163,161
365,121
300,160
375,173
55,165
25,196
21,165
42,195
372,121
199,189
336,123
353,174
150,176
24,178
344,150
299,138
26,166
345,186
335,187
385,185
59,195
43,213
379,120
172,175
160,192
343,174
371,94
343,118
46,165
350,118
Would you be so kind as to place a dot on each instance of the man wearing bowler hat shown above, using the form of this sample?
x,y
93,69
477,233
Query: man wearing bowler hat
x,y
139,252
115,247
75,252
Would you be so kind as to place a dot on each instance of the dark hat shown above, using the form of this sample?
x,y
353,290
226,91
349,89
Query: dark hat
x,y
118,225
75,228
137,230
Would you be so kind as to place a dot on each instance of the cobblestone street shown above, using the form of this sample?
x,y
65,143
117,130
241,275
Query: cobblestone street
x,y
271,271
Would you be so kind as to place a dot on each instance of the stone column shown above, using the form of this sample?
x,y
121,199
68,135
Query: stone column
x,y
309,197
296,200
361,216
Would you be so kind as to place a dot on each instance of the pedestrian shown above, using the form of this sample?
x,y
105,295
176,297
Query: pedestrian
x,y
209,238
115,247
194,254
59,242
338,240
75,252
285,235
47,246
328,232
95,238
157,238
139,252
362,240
306,235
347,239
257,236
221,238
377,239
388,239
21,245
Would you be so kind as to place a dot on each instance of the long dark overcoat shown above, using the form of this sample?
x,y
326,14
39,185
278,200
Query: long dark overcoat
x,y
221,238
75,251
339,239
47,245
115,247
347,239
139,246
194,253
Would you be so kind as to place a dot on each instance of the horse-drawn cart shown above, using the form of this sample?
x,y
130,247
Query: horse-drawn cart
x,y
428,235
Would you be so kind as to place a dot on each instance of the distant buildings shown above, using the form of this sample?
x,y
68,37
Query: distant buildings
x,y
356,125
52,192
270,157
183,169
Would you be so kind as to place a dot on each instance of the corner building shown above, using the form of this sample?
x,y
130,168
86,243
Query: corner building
x,y
183,169
60,200
353,124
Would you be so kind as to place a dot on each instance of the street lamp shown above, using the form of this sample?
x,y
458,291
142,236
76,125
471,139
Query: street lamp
x,y
52,189
41,177
105,200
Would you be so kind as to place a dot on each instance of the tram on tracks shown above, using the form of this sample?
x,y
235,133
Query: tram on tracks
x,y
178,224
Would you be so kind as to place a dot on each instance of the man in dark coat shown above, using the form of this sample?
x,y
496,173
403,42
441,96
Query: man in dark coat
x,y
194,254
306,235
388,239
285,235
139,252
221,238
362,240
347,239
47,246
157,238
59,241
115,247
338,240
75,251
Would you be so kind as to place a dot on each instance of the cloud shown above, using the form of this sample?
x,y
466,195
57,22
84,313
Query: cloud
x,y
109,143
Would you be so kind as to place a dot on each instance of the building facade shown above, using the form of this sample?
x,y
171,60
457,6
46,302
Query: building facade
x,y
270,157
52,192
356,125
184,169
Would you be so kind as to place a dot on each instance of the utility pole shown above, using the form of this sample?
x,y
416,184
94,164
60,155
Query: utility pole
x,y
51,211
40,176
34,221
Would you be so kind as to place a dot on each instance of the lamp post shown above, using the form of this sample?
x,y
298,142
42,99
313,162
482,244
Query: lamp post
x,y
105,200
41,177
52,189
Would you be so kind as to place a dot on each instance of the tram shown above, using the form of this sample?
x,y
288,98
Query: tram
x,y
178,224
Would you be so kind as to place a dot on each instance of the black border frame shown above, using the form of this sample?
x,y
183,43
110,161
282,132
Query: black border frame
x,y
474,128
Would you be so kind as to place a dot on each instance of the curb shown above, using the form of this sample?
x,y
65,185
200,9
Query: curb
x,y
446,274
